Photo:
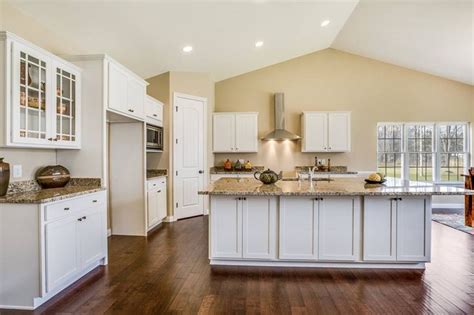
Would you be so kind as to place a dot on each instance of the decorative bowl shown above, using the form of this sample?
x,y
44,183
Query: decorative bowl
x,y
53,176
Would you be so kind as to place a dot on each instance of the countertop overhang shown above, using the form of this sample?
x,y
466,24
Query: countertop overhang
x,y
49,195
335,187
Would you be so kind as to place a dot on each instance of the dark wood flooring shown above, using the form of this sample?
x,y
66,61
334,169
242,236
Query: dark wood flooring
x,y
169,273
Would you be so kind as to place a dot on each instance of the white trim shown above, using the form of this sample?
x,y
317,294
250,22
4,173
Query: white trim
x,y
109,232
316,264
17,307
447,206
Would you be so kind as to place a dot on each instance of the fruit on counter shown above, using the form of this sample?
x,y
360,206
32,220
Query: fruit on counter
x,y
375,177
248,165
238,165
228,165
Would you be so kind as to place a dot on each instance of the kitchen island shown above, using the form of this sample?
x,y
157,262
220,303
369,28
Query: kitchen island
x,y
338,223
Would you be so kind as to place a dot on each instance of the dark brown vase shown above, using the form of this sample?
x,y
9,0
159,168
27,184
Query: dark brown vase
x,y
53,176
4,177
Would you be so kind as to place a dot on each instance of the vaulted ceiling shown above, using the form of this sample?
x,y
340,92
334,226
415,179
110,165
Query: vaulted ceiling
x,y
148,36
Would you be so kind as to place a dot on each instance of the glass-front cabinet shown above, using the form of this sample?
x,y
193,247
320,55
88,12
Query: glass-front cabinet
x,y
31,106
66,112
44,106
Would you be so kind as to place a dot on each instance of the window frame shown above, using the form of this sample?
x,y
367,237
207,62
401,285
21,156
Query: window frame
x,y
436,159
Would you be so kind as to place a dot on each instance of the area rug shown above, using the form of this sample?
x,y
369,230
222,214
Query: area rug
x,y
453,218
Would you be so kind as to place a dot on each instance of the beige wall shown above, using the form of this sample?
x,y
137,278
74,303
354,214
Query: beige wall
x,y
331,80
16,22
162,87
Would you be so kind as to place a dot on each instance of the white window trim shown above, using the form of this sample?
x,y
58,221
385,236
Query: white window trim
x,y
436,152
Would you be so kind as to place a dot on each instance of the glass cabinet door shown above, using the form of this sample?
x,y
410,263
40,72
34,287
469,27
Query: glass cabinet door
x,y
66,110
30,100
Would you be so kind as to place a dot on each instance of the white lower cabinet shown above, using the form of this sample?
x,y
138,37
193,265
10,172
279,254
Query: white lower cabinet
x,y
339,228
243,227
397,229
319,228
259,227
298,228
226,224
62,256
74,242
156,202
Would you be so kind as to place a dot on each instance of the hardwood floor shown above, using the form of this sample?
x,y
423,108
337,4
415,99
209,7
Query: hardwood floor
x,y
170,273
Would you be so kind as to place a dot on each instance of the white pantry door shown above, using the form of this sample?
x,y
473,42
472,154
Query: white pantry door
x,y
189,153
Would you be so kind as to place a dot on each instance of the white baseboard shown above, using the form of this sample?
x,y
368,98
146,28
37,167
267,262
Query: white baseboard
x,y
295,264
447,206
169,219
109,232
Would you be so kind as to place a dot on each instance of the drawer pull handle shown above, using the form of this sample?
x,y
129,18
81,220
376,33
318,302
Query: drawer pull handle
x,y
84,217
159,190
131,110
155,115
95,200
80,219
66,209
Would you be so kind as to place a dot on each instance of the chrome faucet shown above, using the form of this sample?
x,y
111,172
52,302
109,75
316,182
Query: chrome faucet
x,y
311,173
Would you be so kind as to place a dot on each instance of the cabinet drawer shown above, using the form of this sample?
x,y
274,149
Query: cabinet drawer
x,y
63,208
156,183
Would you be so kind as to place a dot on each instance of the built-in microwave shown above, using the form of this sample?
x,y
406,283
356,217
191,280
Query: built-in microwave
x,y
154,138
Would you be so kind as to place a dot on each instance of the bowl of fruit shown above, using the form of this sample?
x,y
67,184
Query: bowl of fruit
x,y
376,178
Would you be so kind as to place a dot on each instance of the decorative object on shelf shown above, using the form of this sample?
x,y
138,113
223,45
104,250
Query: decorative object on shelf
x,y
376,178
248,166
228,165
238,165
329,165
33,75
4,177
267,177
53,176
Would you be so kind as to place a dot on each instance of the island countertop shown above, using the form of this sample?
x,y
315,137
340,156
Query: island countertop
x,y
335,187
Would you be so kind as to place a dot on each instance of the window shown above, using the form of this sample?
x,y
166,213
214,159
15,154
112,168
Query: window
x,y
389,150
423,151
453,153
420,152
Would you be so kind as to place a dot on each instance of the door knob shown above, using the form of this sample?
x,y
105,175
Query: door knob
x,y
201,172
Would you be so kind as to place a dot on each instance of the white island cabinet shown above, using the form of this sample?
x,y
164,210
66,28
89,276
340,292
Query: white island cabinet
x,y
341,223
51,245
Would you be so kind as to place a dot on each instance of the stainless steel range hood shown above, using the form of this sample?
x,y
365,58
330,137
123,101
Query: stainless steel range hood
x,y
280,133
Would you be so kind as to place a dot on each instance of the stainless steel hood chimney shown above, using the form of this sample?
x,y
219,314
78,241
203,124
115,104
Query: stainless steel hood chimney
x,y
280,133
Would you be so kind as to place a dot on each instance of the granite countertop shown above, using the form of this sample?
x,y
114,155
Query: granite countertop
x,y
152,173
335,187
334,170
30,192
221,170
49,195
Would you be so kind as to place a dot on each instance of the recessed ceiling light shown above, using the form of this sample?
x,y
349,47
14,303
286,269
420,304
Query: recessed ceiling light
x,y
259,43
325,23
187,49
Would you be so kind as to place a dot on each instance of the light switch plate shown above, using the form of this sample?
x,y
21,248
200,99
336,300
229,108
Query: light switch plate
x,y
17,171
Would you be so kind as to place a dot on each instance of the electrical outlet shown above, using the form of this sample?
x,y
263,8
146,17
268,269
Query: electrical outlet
x,y
17,171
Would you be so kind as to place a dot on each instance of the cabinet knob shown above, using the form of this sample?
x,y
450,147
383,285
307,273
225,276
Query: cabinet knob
x,y
236,149
84,217
329,148
159,190
155,115
94,200
80,219
66,209
131,110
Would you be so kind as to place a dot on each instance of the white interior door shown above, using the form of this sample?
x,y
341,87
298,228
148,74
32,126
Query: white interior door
x,y
189,153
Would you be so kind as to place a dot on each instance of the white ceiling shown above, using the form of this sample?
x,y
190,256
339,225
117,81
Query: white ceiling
x,y
148,36
432,36
436,37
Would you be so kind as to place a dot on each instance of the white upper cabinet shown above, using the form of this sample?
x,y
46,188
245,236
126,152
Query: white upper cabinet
x,y
42,93
326,131
153,111
126,92
235,132
117,93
